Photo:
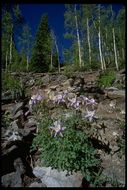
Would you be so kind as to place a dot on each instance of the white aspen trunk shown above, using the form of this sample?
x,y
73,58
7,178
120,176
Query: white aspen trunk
x,y
88,38
27,67
99,38
58,55
54,37
10,61
104,50
114,43
118,55
51,60
104,63
6,59
108,57
78,39
123,54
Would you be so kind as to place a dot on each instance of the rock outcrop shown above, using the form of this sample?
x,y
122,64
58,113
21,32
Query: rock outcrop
x,y
61,95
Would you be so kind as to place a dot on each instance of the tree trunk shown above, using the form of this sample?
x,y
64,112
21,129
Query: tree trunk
x,y
10,61
88,38
27,63
108,57
103,52
114,43
6,59
78,39
57,55
51,60
123,54
100,51
99,38
104,63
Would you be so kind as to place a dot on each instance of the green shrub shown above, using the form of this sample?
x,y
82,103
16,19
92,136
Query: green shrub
x,y
121,145
6,119
10,83
38,82
19,67
72,152
106,79
70,68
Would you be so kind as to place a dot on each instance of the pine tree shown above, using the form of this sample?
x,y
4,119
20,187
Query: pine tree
x,y
41,56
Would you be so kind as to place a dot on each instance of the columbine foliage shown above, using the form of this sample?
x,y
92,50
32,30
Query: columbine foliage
x,y
72,152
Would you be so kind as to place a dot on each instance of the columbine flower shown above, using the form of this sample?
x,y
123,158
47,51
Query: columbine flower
x,y
72,101
36,98
33,100
57,128
91,101
90,115
77,103
59,98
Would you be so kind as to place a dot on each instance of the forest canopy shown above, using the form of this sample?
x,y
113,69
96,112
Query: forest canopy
x,y
96,33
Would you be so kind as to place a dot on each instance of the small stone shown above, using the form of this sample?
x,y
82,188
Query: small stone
x,y
18,114
115,134
9,150
17,107
51,182
122,112
108,185
39,172
36,184
12,180
116,94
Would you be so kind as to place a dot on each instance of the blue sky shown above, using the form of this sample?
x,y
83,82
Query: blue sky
x,y
33,12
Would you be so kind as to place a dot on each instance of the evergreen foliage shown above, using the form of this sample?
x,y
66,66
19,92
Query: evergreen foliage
x,y
42,49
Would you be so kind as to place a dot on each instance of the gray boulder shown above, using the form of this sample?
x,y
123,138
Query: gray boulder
x,y
116,94
18,114
12,180
17,107
54,178
36,184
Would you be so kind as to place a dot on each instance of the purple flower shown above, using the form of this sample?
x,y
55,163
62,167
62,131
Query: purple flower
x,y
74,102
91,101
38,97
90,115
57,128
59,98
33,100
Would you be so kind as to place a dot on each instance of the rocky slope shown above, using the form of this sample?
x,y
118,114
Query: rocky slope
x,y
20,168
